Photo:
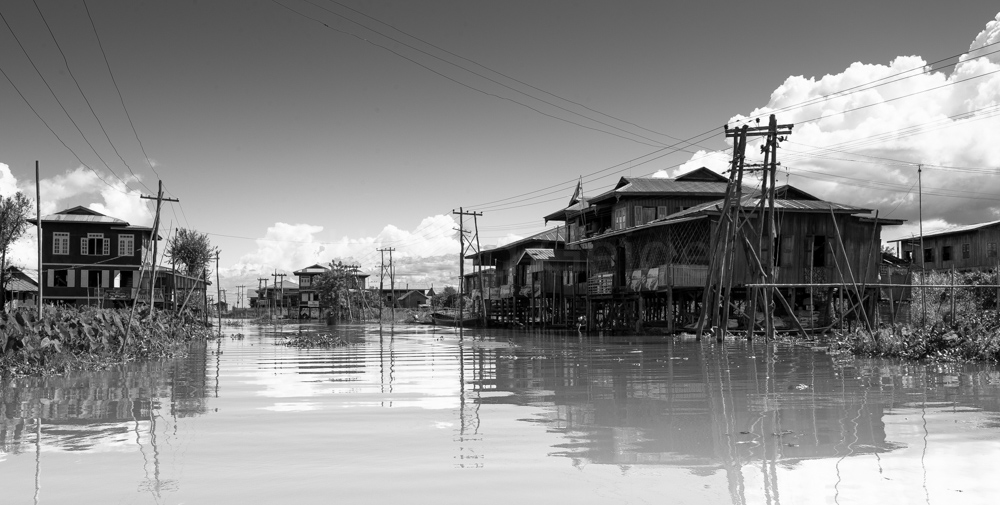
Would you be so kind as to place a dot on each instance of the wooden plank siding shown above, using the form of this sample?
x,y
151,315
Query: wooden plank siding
x,y
680,259
661,205
979,242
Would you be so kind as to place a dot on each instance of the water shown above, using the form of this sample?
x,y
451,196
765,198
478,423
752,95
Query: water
x,y
423,414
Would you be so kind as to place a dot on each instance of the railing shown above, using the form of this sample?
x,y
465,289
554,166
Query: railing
x,y
600,284
137,294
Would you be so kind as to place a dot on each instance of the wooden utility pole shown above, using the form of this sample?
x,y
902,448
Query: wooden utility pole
x,y
281,293
38,228
462,252
155,239
261,284
386,270
718,283
218,290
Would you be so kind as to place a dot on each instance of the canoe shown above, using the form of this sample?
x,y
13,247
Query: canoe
x,y
444,319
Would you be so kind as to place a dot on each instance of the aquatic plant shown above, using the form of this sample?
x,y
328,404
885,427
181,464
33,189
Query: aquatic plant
x,y
83,337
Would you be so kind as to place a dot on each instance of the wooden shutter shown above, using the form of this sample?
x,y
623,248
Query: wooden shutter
x,y
636,216
661,211
51,278
84,278
70,278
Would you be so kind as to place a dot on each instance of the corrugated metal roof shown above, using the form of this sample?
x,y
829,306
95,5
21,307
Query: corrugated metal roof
x,y
630,186
21,285
949,231
77,218
749,202
551,235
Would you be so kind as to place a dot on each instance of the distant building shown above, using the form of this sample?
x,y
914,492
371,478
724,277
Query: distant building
x,y
20,290
971,247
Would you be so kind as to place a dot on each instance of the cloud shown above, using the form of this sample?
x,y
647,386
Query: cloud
x,y
80,186
289,247
862,148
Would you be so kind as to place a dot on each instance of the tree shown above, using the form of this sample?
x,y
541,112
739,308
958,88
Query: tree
x,y
446,298
14,211
191,250
332,287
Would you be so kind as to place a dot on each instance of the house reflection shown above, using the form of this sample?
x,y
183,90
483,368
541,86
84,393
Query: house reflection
x,y
83,410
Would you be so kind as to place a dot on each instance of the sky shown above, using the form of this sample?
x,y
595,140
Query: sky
x,y
296,132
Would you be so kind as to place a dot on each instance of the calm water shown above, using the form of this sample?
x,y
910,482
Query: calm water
x,y
424,415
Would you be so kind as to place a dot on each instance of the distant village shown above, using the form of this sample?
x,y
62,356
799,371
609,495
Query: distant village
x,y
646,254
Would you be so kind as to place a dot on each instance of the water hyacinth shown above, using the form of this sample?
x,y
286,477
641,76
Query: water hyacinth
x,y
85,337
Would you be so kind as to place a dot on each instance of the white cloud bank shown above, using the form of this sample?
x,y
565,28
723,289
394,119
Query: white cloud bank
x,y
424,256
864,149
80,186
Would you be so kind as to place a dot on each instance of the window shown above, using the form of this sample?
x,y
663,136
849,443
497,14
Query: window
x,y
928,255
648,214
61,277
818,249
966,251
94,244
946,253
60,243
783,251
908,255
636,215
126,245
991,249
661,211
94,278
619,219
305,280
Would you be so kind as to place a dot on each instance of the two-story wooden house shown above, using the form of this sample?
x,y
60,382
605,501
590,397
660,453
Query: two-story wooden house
x,y
88,257
656,272
527,281
970,247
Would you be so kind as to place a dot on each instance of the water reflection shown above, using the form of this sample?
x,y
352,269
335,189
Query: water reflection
x,y
110,411
536,416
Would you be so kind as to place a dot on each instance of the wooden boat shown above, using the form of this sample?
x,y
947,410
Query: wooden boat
x,y
451,319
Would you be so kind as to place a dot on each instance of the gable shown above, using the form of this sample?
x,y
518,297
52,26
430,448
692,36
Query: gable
x,y
80,210
702,174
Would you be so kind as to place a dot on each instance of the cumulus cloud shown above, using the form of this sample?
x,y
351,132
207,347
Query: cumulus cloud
x,y
80,186
419,254
863,147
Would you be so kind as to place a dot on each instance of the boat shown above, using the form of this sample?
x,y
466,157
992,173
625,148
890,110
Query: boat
x,y
452,319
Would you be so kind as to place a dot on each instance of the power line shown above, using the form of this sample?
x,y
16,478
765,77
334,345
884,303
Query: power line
x,y
118,90
58,101
459,82
86,100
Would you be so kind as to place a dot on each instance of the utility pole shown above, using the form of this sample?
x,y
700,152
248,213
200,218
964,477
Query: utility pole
x,y
240,290
155,238
261,284
920,217
462,250
218,288
730,228
386,270
38,225
281,292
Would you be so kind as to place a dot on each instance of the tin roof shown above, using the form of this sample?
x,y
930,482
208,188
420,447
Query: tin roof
x,y
654,186
752,201
949,231
557,234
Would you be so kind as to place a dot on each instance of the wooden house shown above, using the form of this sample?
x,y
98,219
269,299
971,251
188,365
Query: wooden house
x,y
527,281
655,273
964,248
20,290
89,258
635,201
279,300
405,297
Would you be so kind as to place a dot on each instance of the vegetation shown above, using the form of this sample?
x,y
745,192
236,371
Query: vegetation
x,y
190,250
311,340
84,338
962,323
338,289
14,211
